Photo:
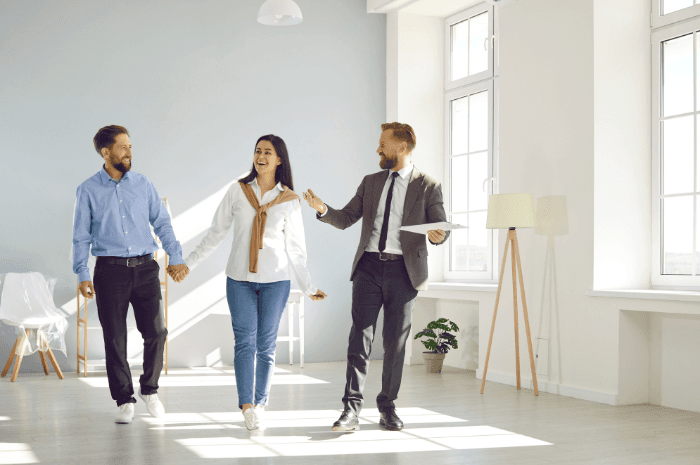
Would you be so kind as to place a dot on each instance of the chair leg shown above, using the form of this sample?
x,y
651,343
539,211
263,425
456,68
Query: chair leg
x,y
53,362
43,362
10,359
15,372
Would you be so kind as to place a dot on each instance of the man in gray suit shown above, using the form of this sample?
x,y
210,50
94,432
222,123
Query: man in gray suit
x,y
390,265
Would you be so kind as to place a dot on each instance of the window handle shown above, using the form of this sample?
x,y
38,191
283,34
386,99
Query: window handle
x,y
483,185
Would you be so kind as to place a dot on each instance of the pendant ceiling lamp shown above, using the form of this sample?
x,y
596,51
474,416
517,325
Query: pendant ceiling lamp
x,y
279,13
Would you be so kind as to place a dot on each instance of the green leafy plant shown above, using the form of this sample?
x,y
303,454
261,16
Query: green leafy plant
x,y
440,339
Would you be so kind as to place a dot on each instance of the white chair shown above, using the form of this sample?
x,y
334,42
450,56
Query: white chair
x,y
296,298
27,304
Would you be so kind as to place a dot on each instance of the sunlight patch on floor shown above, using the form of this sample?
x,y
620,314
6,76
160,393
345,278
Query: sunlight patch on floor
x,y
16,453
241,443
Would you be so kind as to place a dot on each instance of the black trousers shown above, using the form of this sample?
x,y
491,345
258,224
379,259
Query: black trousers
x,y
115,287
375,284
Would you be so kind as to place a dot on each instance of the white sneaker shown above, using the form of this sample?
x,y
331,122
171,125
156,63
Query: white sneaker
x,y
153,404
126,413
260,414
251,419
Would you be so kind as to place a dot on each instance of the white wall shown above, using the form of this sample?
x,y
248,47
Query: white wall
x,y
547,148
196,83
622,141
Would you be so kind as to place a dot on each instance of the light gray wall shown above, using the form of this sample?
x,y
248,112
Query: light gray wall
x,y
195,82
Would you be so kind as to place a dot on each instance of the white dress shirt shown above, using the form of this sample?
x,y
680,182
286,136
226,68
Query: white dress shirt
x,y
283,242
398,198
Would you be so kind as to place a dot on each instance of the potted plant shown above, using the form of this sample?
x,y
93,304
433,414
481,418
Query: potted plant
x,y
439,341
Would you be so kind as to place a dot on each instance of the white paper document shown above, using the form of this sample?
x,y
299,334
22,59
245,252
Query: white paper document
x,y
424,228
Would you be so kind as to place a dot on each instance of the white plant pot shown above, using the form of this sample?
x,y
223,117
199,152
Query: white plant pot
x,y
433,362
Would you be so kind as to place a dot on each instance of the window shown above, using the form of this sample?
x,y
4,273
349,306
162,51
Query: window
x,y
675,139
470,86
469,43
665,12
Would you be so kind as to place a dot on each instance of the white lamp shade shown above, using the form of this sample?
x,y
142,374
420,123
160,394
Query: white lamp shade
x,y
279,13
511,211
552,218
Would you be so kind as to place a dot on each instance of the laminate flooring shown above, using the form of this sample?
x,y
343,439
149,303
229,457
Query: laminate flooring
x,y
45,420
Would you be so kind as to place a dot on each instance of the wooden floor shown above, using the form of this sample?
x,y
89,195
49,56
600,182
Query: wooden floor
x,y
44,420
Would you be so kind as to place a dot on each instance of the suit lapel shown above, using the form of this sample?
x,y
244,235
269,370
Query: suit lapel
x,y
414,188
377,187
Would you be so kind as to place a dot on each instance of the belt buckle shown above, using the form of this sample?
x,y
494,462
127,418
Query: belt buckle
x,y
382,259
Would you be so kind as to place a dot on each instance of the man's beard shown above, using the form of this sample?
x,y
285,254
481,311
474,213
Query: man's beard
x,y
121,167
387,163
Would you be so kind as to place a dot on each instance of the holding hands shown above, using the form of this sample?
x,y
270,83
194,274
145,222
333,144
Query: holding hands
x,y
319,295
87,290
178,272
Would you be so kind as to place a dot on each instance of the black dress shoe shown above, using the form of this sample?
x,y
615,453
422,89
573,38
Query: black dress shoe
x,y
390,420
348,421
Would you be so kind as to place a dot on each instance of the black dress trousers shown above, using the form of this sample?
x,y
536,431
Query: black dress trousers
x,y
115,287
375,284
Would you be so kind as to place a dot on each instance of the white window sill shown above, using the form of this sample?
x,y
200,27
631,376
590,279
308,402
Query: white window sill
x,y
479,287
650,294
458,291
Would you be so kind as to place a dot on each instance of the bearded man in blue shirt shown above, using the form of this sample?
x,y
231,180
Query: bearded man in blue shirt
x,y
113,214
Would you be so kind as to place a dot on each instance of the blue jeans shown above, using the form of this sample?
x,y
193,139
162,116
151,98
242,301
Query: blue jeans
x,y
256,310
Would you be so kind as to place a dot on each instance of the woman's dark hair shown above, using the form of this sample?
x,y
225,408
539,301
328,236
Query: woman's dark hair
x,y
283,173
105,137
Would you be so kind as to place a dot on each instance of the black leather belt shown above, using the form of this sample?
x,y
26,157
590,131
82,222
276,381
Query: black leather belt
x,y
130,261
383,256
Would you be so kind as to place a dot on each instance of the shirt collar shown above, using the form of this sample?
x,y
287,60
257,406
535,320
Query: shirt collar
x,y
255,181
106,177
405,171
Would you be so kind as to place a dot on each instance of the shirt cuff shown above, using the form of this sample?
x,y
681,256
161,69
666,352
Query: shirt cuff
x,y
190,262
84,276
175,260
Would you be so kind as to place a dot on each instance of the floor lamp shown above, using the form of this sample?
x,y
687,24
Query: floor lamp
x,y
512,211
551,221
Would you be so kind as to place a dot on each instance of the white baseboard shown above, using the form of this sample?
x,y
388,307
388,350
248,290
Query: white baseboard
x,y
601,397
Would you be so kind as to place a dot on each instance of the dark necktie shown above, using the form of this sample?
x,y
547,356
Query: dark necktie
x,y
387,211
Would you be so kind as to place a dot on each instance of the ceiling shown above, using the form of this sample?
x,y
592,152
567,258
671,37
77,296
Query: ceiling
x,y
440,8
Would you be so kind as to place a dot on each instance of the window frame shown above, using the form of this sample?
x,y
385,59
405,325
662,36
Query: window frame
x,y
658,20
659,280
458,18
489,85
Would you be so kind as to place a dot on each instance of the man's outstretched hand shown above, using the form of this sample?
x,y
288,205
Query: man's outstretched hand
x,y
178,272
314,202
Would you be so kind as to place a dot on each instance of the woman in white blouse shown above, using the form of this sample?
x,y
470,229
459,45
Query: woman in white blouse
x,y
268,239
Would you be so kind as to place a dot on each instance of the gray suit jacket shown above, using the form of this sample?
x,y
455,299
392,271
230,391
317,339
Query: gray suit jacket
x,y
423,204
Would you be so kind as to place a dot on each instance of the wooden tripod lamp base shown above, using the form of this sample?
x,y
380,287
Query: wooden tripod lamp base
x,y
511,211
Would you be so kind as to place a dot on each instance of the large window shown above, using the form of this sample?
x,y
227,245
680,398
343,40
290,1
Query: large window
x,y
470,85
675,139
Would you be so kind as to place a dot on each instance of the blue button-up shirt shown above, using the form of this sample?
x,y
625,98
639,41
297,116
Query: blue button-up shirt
x,y
113,217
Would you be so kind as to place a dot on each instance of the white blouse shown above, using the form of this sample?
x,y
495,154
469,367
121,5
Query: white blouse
x,y
283,242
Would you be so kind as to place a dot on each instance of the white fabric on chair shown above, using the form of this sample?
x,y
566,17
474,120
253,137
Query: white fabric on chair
x,y
26,302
